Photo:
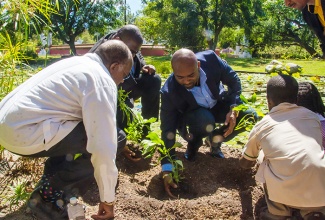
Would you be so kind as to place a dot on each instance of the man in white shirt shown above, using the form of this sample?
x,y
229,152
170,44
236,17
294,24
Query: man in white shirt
x,y
294,164
67,109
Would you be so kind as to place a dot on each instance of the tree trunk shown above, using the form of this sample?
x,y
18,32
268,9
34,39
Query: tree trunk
x,y
72,47
217,31
304,44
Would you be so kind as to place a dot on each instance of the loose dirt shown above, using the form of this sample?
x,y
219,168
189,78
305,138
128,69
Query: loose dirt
x,y
217,189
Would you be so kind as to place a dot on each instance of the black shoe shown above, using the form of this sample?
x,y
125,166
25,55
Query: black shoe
x,y
46,210
216,151
190,154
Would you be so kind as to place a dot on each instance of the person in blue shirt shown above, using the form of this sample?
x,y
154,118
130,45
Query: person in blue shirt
x,y
193,100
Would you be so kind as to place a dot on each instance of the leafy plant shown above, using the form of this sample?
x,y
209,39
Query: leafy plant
x,y
122,97
136,126
248,121
19,193
156,144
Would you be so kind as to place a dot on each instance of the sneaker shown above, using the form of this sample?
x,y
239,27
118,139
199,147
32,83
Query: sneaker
x,y
315,216
215,149
46,210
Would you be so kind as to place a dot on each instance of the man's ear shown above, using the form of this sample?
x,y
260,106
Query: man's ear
x,y
270,103
113,67
198,64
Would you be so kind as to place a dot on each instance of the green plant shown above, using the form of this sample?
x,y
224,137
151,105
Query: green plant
x,y
248,121
136,126
156,144
122,97
19,193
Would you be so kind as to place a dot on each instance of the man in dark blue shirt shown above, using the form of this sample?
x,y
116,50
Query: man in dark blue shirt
x,y
193,100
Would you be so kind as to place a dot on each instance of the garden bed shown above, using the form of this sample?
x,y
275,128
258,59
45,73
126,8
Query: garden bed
x,y
217,188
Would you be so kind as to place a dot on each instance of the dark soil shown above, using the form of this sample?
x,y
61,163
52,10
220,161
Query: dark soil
x,y
212,189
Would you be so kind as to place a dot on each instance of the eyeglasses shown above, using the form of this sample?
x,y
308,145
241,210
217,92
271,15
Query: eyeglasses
x,y
128,76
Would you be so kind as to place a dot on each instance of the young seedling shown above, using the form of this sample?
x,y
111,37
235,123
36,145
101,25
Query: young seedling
x,y
156,144
122,97
19,193
248,121
136,124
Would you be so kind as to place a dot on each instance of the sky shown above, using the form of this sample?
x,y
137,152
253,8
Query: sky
x,y
135,5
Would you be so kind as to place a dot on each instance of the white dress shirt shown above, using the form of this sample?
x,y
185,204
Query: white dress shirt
x,y
48,106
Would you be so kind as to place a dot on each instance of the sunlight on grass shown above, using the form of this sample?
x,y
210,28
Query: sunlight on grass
x,y
309,67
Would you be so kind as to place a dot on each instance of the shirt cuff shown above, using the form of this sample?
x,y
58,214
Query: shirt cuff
x,y
167,167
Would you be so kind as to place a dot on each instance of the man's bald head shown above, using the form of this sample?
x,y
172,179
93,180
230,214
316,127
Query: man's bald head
x,y
186,68
183,57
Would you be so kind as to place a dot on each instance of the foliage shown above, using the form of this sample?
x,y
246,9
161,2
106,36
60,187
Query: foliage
x,y
19,193
162,64
284,68
74,17
279,52
156,144
198,22
310,66
87,38
231,37
135,128
161,19
282,26
126,110
136,124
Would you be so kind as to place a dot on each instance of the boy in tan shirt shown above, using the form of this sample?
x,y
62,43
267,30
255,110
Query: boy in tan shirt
x,y
294,165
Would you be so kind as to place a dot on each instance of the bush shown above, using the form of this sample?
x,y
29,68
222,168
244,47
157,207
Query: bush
x,y
278,52
29,56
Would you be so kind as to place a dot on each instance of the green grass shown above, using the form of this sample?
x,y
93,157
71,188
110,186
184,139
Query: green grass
x,y
162,64
310,67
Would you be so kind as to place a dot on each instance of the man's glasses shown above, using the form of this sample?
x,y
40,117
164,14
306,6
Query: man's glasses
x,y
128,76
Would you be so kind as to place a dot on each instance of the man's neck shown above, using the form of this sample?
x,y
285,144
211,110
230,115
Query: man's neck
x,y
311,2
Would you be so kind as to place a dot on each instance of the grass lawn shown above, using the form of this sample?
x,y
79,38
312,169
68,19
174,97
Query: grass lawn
x,y
163,67
310,67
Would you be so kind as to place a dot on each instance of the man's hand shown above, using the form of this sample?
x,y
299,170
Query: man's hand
x,y
230,122
129,154
149,69
168,182
105,211
246,164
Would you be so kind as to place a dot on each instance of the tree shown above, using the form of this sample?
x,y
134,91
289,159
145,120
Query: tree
x,y
18,19
176,23
196,23
283,26
74,17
